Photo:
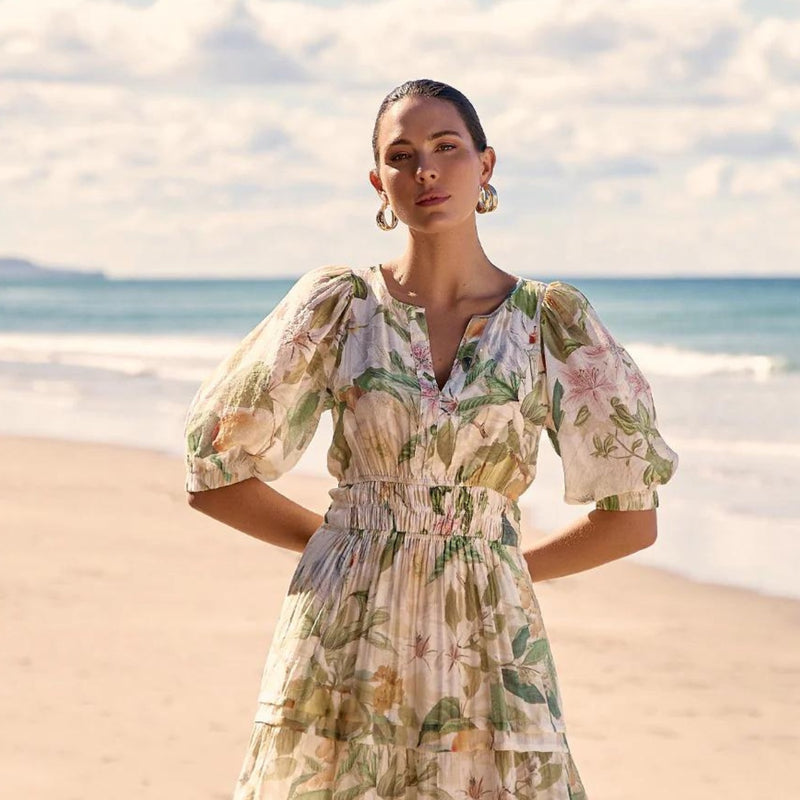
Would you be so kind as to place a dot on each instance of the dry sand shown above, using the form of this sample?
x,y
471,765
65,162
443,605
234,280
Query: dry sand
x,y
135,629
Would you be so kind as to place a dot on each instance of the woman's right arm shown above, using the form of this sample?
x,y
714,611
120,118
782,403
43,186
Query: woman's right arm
x,y
255,508
256,413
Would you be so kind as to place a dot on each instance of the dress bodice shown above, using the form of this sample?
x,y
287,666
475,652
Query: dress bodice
x,y
339,341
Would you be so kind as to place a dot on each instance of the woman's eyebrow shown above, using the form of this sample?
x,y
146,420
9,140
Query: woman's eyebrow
x,y
432,136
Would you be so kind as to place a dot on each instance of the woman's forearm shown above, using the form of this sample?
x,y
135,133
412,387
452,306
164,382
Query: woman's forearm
x,y
255,508
597,538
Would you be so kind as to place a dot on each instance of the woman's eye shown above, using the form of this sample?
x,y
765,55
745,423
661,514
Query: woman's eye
x,y
404,156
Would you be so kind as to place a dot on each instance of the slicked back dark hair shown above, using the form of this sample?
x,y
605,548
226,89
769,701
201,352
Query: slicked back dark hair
x,y
424,87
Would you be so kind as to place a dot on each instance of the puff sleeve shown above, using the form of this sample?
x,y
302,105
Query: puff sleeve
x,y
601,419
256,413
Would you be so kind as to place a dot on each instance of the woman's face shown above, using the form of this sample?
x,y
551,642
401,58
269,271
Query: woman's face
x,y
424,147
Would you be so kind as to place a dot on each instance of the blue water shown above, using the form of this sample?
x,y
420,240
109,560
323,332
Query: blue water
x,y
716,315
119,360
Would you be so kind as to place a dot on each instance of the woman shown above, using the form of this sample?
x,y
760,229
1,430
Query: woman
x,y
410,659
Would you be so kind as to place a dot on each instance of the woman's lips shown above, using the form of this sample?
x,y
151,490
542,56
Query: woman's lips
x,y
433,201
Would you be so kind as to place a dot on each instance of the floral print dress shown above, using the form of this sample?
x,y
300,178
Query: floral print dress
x,y
410,659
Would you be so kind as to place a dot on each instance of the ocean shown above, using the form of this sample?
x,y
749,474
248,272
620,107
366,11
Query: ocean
x,y
118,361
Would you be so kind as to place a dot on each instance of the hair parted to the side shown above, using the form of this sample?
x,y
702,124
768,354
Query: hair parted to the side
x,y
424,87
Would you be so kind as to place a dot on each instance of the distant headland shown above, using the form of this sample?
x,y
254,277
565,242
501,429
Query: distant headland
x,y
20,269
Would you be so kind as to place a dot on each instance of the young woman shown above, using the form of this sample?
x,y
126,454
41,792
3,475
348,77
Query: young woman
x,y
410,659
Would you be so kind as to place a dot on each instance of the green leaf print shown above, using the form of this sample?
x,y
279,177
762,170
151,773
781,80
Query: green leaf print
x,y
520,640
452,613
473,677
445,710
474,403
252,388
500,550
390,321
454,547
533,409
467,351
368,767
509,535
502,389
552,704
359,286
437,495
397,361
558,414
643,414
394,543
379,379
298,422
538,651
446,442
582,415
551,435
297,371
382,729
563,336
610,503
193,441
526,299
623,418
527,691
408,450
499,712
479,367
393,781
340,449
464,507
549,774
348,762
338,634
324,311
472,601
659,469
491,594
603,448
218,462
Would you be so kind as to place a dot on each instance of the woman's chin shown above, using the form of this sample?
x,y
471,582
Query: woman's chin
x,y
437,222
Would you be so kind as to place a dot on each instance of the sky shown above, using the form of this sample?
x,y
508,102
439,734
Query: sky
x,y
231,138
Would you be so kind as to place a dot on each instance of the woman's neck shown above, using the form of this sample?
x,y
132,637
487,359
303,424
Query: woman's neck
x,y
444,269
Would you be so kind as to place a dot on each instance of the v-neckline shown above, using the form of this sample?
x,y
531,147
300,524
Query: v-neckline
x,y
418,313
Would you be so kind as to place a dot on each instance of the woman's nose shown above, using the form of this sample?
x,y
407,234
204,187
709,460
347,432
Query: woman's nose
x,y
425,171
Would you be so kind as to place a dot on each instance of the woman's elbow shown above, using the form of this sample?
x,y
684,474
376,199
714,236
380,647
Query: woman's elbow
x,y
644,529
196,500
632,530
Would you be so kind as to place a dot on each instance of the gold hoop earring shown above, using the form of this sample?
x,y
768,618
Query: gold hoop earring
x,y
487,201
381,219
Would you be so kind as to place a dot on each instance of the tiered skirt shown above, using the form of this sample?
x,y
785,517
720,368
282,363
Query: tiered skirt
x,y
410,659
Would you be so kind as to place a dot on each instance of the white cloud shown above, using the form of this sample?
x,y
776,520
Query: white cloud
x,y
205,135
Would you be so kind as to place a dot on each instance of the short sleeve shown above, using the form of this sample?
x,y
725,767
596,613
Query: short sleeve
x,y
601,419
256,413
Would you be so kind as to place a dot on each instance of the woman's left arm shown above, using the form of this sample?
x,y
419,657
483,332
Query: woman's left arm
x,y
589,541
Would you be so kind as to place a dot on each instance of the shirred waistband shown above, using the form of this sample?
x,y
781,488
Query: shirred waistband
x,y
420,508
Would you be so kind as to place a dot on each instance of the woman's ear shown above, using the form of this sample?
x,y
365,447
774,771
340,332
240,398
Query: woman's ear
x,y
488,159
376,181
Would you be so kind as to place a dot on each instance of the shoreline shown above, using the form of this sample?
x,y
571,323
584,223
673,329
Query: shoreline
x,y
322,484
144,625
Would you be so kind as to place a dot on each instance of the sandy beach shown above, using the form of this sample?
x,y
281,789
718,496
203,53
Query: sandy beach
x,y
135,630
